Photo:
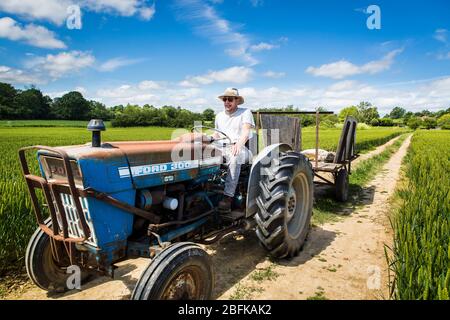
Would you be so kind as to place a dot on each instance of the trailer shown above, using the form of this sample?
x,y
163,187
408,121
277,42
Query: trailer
x,y
290,132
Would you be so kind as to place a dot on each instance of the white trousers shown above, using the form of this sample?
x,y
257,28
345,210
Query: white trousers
x,y
234,168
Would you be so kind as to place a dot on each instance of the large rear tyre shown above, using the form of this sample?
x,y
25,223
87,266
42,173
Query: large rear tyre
x,y
341,185
285,204
182,271
47,273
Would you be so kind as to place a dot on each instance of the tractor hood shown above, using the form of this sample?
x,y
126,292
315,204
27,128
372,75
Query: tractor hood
x,y
187,147
144,163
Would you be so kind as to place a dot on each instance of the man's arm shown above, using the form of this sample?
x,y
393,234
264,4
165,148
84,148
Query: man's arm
x,y
246,127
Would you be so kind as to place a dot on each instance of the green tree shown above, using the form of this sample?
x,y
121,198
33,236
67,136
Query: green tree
x,y
208,115
414,123
118,108
440,113
7,94
31,104
408,115
430,123
385,122
349,111
397,113
71,106
98,110
444,121
367,112
423,113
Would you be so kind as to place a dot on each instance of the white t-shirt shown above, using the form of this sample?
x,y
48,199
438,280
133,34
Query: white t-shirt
x,y
232,124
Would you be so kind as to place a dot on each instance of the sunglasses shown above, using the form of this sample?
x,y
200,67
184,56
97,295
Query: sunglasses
x,y
229,99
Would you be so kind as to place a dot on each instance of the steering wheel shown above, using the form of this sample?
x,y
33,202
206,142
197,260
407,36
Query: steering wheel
x,y
226,137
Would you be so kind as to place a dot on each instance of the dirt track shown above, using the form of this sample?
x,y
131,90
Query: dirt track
x,y
341,260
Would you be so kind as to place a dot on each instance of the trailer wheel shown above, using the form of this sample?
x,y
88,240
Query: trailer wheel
x,y
183,271
42,268
341,185
285,204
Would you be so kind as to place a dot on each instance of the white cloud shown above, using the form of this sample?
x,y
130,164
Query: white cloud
x,y
81,90
208,23
61,64
235,75
343,68
50,10
115,63
441,35
343,85
16,76
263,46
242,54
273,74
58,94
150,85
31,34
146,93
55,11
122,7
432,94
147,13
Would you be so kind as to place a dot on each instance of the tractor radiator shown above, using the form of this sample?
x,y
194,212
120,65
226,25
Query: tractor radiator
x,y
73,222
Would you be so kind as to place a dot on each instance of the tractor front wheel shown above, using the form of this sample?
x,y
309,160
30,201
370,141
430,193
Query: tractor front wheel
x,y
42,268
285,204
182,271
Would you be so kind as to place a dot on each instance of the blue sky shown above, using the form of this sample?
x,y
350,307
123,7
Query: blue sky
x,y
185,52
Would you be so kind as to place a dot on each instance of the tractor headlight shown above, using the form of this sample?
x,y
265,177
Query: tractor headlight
x,y
54,170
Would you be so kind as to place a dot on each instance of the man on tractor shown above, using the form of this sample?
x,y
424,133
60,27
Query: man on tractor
x,y
236,123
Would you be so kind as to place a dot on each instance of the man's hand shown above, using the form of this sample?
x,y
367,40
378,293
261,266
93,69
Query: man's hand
x,y
236,148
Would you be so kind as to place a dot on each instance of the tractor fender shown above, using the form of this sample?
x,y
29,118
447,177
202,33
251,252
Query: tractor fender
x,y
253,188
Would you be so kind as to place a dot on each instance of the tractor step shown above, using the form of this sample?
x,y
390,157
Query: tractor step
x,y
233,215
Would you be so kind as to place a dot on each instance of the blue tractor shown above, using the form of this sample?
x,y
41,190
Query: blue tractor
x,y
103,202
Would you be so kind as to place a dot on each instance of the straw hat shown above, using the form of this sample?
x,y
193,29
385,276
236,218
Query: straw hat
x,y
232,92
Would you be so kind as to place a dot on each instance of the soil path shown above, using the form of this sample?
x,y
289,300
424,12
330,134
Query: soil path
x,y
341,260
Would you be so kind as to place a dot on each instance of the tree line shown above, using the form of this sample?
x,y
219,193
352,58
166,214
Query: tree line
x,y
367,113
32,104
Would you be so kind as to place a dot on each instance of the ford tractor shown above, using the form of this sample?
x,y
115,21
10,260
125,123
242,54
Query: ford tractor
x,y
103,202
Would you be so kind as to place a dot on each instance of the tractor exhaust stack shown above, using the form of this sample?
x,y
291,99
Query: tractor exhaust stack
x,y
96,126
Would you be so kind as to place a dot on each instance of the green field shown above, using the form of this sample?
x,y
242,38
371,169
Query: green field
x,y
420,258
16,216
45,123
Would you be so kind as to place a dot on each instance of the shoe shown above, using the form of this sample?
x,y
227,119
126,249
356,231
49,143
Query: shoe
x,y
225,203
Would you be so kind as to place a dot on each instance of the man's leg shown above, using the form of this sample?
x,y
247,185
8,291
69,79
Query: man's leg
x,y
232,179
234,170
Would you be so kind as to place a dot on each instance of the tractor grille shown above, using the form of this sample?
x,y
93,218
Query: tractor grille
x,y
73,222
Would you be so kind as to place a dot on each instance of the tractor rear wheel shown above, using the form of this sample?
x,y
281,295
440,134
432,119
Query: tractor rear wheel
x,y
47,273
285,204
182,271
341,185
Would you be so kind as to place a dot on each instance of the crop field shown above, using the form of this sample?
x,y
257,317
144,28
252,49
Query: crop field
x,y
421,252
17,220
45,123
